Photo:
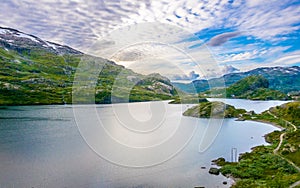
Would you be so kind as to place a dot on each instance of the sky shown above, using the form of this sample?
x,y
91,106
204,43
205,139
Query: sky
x,y
182,39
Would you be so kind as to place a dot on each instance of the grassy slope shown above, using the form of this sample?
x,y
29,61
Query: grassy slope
x,y
33,78
40,77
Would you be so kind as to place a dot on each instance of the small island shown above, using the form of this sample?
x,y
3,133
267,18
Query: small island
x,y
214,110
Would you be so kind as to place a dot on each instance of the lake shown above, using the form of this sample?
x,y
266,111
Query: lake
x,y
120,145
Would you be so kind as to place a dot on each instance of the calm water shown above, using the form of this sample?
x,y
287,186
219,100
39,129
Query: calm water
x,y
41,146
256,106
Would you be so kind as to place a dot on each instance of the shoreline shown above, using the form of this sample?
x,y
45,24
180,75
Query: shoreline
x,y
234,180
267,122
70,104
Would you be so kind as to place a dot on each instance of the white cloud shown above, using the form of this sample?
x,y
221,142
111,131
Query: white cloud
x,y
229,69
282,60
191,76
167,60
287,60
89,19
82,23
239,56
266,19
79,23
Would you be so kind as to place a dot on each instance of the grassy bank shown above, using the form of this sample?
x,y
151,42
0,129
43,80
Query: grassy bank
x,y
275,165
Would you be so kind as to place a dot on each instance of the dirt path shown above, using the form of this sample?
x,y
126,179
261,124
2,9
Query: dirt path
x,y
295,184
287,122
275,151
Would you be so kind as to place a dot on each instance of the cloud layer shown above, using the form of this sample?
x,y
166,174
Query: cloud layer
x,y
79,22
238,33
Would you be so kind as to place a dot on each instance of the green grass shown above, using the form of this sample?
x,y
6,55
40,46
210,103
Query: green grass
x,y
36,76
263,168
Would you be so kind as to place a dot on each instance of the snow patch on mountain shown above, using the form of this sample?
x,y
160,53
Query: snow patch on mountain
x,y
14,39
51,45
22,35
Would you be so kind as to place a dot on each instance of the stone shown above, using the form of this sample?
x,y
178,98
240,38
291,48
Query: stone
x,y
214,171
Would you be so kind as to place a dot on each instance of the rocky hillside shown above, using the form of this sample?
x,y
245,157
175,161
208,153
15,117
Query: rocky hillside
x,y
284,79
34,71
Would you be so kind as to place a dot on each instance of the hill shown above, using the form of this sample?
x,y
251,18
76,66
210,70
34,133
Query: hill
x,y
284,79
251,87
288,111
34,71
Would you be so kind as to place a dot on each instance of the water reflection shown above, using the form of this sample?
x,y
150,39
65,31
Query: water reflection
x,y
48,152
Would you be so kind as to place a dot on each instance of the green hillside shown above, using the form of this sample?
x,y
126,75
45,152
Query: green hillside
x,y
288,111
247,85
37,76
251,87
283,79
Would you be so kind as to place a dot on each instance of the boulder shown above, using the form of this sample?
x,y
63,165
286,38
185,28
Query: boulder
x,y
214,171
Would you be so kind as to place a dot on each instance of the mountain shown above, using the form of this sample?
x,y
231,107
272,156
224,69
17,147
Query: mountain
x,y
12,39
284,79
251,87
35,71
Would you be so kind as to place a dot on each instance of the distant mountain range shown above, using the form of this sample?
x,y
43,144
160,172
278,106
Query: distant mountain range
x,y
35,71
284,79
252,87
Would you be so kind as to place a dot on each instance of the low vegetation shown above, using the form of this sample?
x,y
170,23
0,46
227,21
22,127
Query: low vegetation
x,y
36,76
261,168
266,166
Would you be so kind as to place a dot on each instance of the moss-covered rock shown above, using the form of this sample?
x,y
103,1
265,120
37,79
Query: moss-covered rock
x,y
214,171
